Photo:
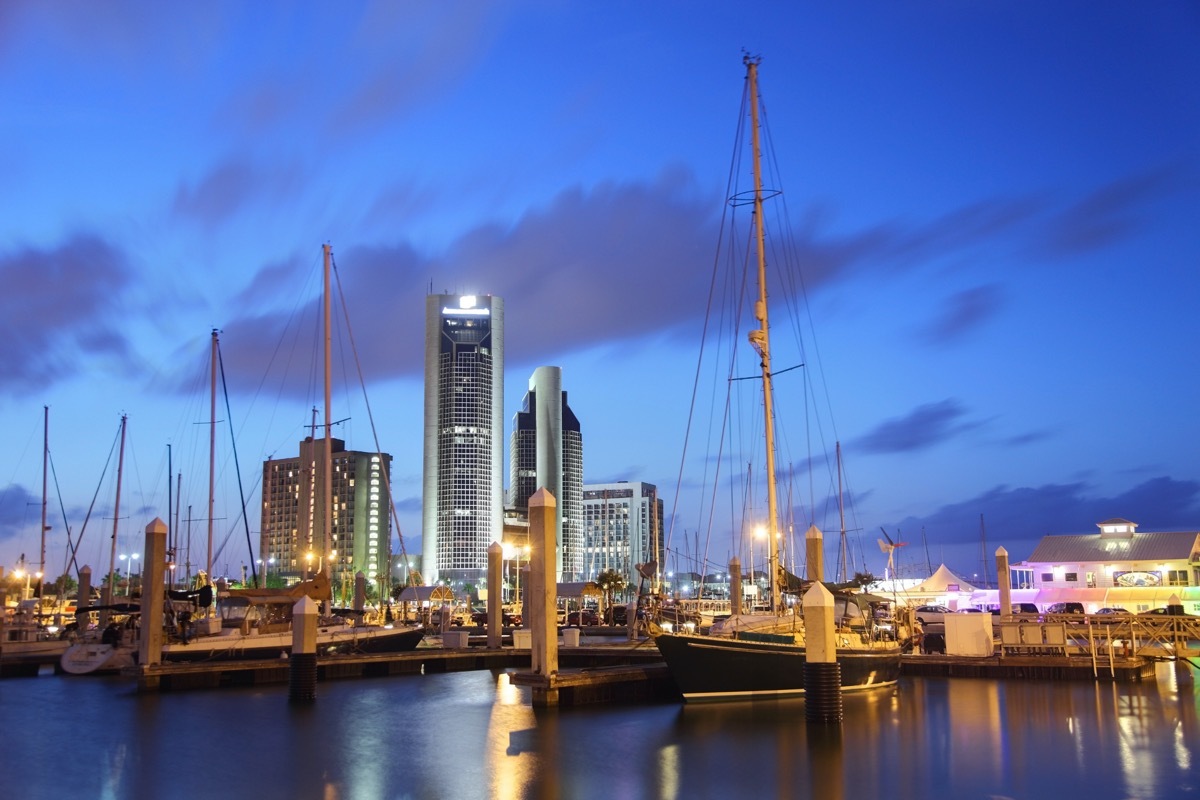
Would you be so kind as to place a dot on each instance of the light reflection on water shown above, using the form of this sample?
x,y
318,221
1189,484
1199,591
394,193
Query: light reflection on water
x,y
474,735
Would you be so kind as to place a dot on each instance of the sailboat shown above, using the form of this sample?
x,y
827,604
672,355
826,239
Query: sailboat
x,y
26,639
763,655
256,622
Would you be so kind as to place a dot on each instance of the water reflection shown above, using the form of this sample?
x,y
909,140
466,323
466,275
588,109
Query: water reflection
x,y
475,735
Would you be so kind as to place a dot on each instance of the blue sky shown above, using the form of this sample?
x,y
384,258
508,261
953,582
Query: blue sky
x,y
995,204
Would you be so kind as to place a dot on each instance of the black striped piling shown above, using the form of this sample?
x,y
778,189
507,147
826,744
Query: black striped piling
x,y
822,672
822,692
302,680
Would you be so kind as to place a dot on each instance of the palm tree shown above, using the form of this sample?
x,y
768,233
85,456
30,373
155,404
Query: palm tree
x,y
610,582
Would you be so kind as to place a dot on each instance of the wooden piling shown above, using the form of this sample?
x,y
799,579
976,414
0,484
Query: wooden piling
x,y
150,641
543,545
495,613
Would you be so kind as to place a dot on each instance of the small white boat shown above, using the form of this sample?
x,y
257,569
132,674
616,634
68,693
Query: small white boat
x,y
104,652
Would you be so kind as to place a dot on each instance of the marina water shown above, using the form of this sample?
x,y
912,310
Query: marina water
x,y
474,735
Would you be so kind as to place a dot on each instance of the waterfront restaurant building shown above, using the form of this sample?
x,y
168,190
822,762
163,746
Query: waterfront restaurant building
x,y
1116,567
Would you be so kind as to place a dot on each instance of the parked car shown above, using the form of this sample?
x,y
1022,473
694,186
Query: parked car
x,y
1025,608
1065,608
1111,610
971,610
507,620
931,615
616,615
457,616
583,617
1170,611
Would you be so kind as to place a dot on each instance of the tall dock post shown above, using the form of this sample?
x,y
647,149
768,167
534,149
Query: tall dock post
x,y
360,596
814,551
495,562
302,681
150,641
735,585
822,672
1004,582
83,598
543,591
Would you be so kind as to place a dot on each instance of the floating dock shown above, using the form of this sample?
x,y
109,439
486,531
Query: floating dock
x,y
423,660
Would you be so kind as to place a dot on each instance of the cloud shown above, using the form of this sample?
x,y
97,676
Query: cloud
x,y
59,304
1108,215
15,503
1017,518
614,263
602,265
229,188
964,312
921,428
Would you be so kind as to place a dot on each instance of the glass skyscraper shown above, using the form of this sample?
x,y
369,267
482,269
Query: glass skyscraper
x,y
463,491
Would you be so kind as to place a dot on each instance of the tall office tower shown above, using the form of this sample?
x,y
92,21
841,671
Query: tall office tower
x,y
547,451
293,516
622,527
463,494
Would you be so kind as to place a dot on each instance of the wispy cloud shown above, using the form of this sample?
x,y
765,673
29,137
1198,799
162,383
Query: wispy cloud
x,y
58,304
1109,214
1017,518
15,503
963,312
923,427
229,188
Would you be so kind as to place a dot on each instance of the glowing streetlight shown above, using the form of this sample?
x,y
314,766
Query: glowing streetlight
x,y
20,572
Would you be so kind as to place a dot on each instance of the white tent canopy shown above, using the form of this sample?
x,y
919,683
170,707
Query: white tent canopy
x,y
942,581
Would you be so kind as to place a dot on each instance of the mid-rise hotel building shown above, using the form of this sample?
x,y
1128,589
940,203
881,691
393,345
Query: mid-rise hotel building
x,y
463,491
292,539
622,527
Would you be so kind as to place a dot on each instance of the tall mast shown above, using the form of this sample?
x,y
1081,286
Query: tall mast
x,y
842,516
983,552
112,556
328,506
761,341
212,455
45,463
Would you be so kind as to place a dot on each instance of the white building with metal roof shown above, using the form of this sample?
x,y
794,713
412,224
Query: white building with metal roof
x,y
1116,567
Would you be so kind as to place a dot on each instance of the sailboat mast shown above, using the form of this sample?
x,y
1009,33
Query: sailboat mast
x,y
842,515
212,456
112,555
328,506
45,464
983,553
761,339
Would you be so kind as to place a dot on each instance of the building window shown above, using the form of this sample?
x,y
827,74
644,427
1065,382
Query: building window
x,y
1177,577
1047,577
1072,577
1021,578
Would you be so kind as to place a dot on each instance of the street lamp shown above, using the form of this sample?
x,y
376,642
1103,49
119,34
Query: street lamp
x,y
309,559
123,558
19,573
